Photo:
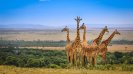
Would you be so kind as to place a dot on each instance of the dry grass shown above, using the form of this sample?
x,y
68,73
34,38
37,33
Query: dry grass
x,y
120,48
17,70
57,35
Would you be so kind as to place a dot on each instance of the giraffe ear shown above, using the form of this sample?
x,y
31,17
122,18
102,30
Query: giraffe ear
x,y
83,24
105,26
116,30
76,18
79,18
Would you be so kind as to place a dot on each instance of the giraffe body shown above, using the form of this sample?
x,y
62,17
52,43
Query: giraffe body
x,y
98,40
103,46
68,46
92,49
76,45
84,43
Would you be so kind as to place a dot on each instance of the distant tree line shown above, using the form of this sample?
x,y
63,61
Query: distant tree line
x,y
122,42
39,43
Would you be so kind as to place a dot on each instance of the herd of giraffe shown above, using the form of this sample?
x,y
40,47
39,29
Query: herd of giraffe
x,y
78,52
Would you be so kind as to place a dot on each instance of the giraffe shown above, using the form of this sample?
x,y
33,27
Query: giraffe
x,y
91,53
103,46
76,45
99,38
68,45
84,43
92,49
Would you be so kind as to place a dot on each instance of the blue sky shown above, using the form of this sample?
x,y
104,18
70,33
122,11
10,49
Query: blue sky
x,y
95,13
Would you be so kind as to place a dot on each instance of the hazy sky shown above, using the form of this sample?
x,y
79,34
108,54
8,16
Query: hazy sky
x,y
119,13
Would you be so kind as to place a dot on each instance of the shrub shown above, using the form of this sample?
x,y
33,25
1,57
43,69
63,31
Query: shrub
x,y
33,63
11,60
53,66
127,67
63,65
21,63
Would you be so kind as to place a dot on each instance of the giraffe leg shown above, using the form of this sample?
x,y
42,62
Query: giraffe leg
x,y
69,59
89,59
94,60
83,60
73,59
104,58
76,59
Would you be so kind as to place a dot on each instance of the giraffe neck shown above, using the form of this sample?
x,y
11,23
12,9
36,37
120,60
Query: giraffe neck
x,y
110,38
68,39
78,34
98,40
84,35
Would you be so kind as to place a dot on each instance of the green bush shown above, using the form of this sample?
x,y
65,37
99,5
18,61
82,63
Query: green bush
x,y
21,63
11,60
63,65
33,63
127,67
44,58
53,66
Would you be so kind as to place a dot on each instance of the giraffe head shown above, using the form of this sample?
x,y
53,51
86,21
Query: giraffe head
x,y
106,29
116,32
65,29
78,19
82,26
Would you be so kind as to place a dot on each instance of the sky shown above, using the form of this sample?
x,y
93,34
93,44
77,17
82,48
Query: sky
x,y
59,13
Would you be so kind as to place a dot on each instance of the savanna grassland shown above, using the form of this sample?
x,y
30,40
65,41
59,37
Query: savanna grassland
x,y
57,35
55,39
19,53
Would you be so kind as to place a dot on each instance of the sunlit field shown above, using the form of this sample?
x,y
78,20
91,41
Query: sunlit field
x,y
57,35
18,70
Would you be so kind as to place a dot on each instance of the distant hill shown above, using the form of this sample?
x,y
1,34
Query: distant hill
x,y
24,26
55,27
